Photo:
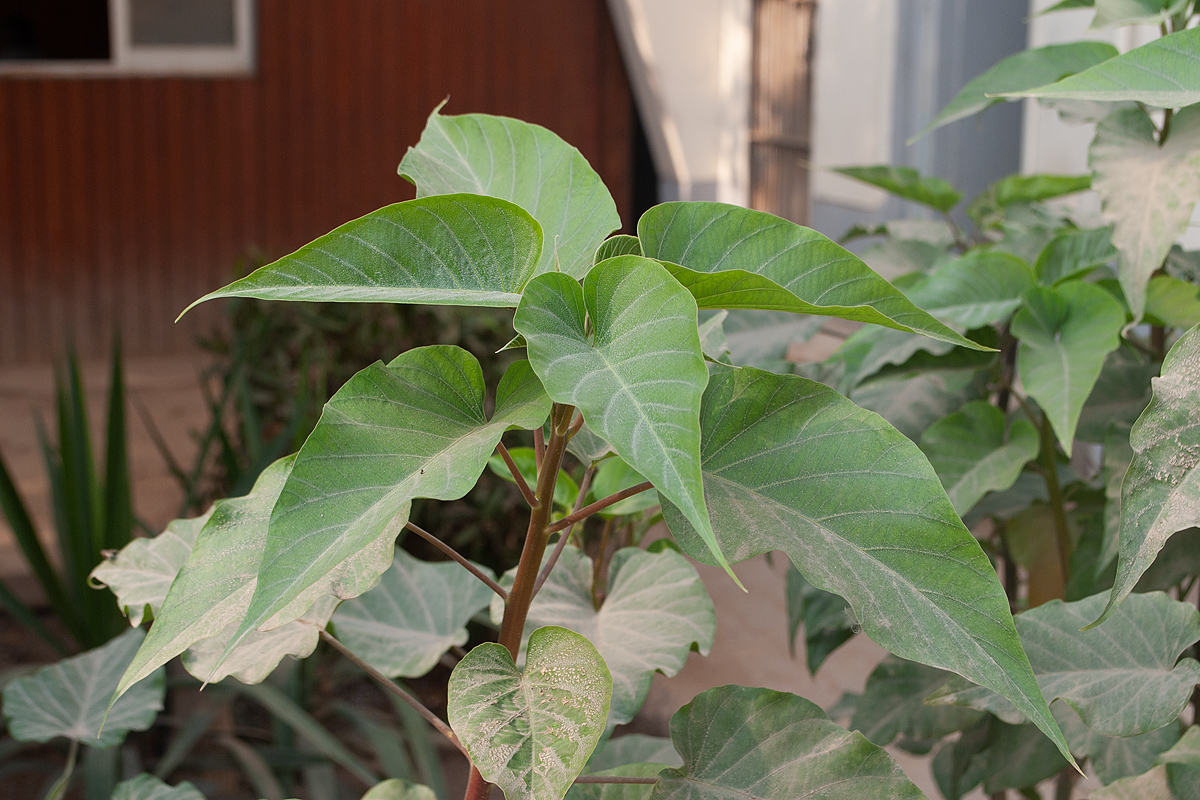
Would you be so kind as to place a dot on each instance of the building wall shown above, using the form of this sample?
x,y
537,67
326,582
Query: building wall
x,y
123,199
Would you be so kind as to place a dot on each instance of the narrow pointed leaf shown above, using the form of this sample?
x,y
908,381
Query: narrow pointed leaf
x,y
759,744
418,611
531,733
731,257
1065,334
1074,252
148,787
524,164
1161,491
638,379
1035,188
887,540
906,182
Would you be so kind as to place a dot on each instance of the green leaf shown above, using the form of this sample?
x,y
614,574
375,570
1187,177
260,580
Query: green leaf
x,y
457,250
980,288
565,488
1018,756
1065,334
1120,395
774,444
1178,561
634,748
958,764
762,338
142,572
730,257
893,704
906,182
1025,70
712,337
911,403
637,378
524,164
759,744
871,348
1035,188
417,612
396,789
415,428
619,791
588,447
614,475
1067,5
655,611
1115,757
531,733
1173,302
70,698
1074,252
148,787
1161,491
971,455
1112,13
1150,785
1147,192
620,245
827,619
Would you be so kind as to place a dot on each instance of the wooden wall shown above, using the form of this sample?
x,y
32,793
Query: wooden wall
x,y
122,199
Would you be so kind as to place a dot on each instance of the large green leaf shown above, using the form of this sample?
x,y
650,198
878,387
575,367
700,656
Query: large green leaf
x,y
531,733
1111,13
1163,73
1115,757
415,428
457,250
1147,192
634,748
906,182
148,787
1161,491
759,744
418,611
1025,70
1065,334
1172,302
1034,188
972,456
524,164
1074,252
1150,785
887,539
637,378
828,621
731,257
978,289
655,610
1120,395
70,698
893,704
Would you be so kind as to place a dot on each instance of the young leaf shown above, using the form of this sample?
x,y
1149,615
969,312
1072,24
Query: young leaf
x,y
1074,252
1164,73
893,704
418,611
1161,491
1065,334
415,428
456,250
906,182
531,733
760,744
1035,188
637,379
730,257
148,787
523,164
971,456
1146,191
620,245
70,698
887,539
828,621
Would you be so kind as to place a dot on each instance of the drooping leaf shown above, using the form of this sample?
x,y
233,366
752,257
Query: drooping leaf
x,y
827,619
654,612
731,257
893,704
1074,252
141,573
1172,302
977,289
1065,334
887,540
415,428
418,611
634,748
760,744
620,245
1161,491
1111,13
148,787
1035,188
614,475
1146,191
531,733
523,164
70,698
637,378
1025,70
396,789
906,182
972,456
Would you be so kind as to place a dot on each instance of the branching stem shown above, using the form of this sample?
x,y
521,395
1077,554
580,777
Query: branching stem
x,y
516,473
454,554
584,485
599,505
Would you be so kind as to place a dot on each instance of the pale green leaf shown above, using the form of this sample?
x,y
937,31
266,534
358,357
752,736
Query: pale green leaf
x,y
828,621
1147,192
712,337
1018,756
731,257
906,182
523,164
1115,757
1074,252
148,787
1065,334
418,611
531,733
1117,457
614,475
588,447
761,338
972,456
887,540
1120,395
634,748
871,348
911,403
893,704
396,789
759,744
1035,188
1150,785
622,791
1172,302
620,245
977,289
637,378
1161,491
71,698
1112,13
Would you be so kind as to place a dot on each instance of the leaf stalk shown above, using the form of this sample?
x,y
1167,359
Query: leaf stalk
x,y
454,554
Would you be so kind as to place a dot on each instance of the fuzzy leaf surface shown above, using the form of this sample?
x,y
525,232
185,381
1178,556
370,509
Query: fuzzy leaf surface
x,y
977,289
148,787
893,704
1074,252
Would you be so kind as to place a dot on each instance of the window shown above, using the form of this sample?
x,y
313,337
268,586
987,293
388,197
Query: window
x,y
120,37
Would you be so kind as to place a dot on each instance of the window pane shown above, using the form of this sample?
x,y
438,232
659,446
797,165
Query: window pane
x,y
181,22
53,29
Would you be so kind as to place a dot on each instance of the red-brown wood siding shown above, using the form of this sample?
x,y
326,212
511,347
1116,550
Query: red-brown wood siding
x,y
123,199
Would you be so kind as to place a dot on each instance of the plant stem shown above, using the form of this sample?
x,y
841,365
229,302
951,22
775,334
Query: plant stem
x,y
454,554
584,485
598,565
539,448
1158,342
959,239
1166,127
613,779
1008,368
1064,784
395,688
516,473
599,505
1050,474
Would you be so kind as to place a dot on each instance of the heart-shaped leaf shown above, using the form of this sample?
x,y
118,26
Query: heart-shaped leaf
x,y
906,182
523,164
1074,252
731,257
531,733
418,611
148,787
887,539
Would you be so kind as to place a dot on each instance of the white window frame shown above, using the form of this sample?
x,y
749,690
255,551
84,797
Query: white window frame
x,y
126,59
